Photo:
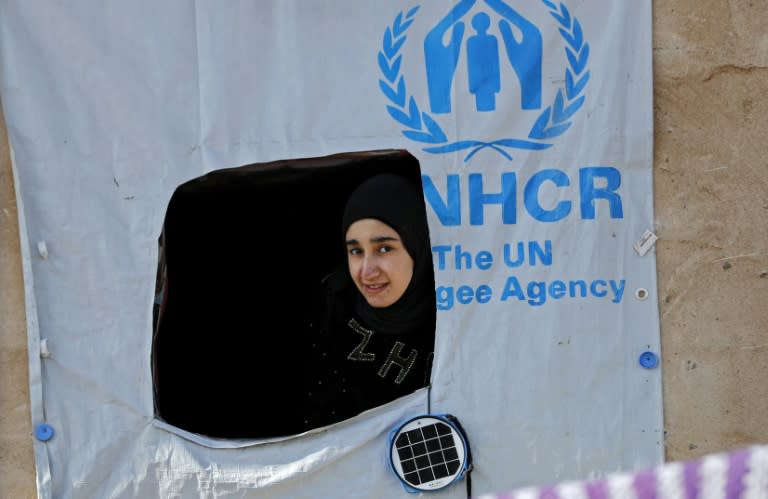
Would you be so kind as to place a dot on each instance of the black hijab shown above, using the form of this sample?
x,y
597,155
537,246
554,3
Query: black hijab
x,y
397,202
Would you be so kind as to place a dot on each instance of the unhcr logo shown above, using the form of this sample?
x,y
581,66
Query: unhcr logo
x,y
520,47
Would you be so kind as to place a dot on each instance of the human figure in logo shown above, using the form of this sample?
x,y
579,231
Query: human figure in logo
x,y
376,336
524,55
483,64
441,59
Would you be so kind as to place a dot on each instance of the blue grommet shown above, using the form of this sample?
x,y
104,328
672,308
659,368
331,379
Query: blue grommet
x,y
649,360
44,432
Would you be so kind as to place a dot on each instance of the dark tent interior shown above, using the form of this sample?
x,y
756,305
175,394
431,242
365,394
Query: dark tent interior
x,y
243,252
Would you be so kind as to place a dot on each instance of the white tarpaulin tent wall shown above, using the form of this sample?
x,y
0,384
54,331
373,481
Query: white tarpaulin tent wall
x,y
532,124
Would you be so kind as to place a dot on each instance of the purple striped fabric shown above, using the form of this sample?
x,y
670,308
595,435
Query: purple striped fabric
x,y
691,479
736,470
745,477
548,493
597,490
645,484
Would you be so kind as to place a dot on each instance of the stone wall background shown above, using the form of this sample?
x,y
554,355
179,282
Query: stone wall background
x,y
17,462
711,202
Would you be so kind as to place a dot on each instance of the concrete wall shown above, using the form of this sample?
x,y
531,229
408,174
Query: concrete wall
x,y
17,463
711,201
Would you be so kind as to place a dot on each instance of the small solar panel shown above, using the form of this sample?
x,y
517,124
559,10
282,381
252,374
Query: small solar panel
x,y
428,453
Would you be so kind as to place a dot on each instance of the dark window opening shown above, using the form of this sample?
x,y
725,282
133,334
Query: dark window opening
x,y
243,253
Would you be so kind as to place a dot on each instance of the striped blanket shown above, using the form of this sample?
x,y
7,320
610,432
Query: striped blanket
x,y
741,474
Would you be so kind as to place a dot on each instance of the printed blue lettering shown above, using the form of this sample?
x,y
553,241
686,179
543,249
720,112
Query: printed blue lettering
x,y
537,293
444,295
596,183
464,295
448,212
593,288
557,289
441,251
545,255
531,196
484,260
535,251
459,255
462,260
589,192
572,285
506,198
483,294
512,288
618,290
520,255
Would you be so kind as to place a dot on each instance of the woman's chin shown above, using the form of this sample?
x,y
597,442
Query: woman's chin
x,y
378,300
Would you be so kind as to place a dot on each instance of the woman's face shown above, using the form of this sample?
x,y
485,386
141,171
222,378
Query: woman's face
x,y
378,262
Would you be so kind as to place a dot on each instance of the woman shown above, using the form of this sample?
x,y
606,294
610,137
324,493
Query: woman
x,y
378,330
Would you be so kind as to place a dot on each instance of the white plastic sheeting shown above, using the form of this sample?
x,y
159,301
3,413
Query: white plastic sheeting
x,y
532,122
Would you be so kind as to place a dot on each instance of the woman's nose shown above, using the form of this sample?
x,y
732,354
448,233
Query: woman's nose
x,y
370,267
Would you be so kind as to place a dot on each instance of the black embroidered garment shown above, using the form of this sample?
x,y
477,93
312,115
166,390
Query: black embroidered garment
x,y
364,357
356,368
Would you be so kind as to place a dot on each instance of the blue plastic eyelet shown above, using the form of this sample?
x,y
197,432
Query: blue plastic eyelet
x,y
44,432
649,360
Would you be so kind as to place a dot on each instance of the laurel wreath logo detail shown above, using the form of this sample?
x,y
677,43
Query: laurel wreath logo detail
x,y
553,121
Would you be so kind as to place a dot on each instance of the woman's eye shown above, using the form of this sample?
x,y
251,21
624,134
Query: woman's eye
x,y
385,249
355,251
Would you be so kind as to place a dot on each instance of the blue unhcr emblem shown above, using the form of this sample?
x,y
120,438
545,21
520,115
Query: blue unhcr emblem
x,y
483,68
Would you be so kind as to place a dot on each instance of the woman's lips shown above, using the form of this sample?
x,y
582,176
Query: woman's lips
x,y
374,289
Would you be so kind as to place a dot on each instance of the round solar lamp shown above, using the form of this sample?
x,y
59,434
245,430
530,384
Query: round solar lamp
x,y
429,452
